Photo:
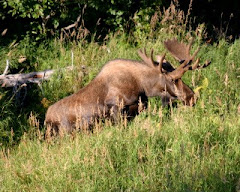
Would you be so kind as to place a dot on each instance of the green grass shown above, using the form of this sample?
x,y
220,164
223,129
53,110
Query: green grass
x,y
187,152
177,149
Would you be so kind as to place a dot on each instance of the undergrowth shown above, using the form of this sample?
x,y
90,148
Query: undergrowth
x,y
162,149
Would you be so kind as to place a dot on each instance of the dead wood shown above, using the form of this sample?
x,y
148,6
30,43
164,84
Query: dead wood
x,y
13,80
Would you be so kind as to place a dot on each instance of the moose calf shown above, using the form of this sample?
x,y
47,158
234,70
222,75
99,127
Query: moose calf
x,y
125,82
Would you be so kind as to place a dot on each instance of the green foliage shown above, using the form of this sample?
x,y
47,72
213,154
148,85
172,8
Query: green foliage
x,y
162,149
187,152
43,18
176,149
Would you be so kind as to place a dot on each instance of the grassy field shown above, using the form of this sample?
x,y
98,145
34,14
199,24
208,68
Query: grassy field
x,y
176,149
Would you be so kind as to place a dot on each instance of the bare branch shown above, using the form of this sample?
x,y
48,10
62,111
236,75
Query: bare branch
x,y
6,68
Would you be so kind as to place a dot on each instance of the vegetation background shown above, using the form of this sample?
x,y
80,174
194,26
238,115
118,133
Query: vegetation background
x,y
162,149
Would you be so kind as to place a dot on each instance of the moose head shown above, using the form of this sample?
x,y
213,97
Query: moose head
x,y
127,82
175,88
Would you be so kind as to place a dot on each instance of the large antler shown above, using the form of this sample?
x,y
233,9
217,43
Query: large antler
x,y
181,52
148,60
185,66
197,66
160,60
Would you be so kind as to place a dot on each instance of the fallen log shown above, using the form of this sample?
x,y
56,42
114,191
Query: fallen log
x,y
13,80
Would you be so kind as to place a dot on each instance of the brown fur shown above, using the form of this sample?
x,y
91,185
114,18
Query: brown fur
x,y
120,83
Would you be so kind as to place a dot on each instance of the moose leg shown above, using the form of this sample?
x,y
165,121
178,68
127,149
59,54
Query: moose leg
x,y
114,107
57,128
113,112
136,108
142,102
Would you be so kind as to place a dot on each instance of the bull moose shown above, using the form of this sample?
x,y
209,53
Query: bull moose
x,y
126,82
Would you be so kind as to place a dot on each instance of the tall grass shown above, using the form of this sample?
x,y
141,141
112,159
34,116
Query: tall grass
x,y
177,149
190,150
162,149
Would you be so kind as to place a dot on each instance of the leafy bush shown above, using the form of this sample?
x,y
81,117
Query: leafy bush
x,y
48,17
